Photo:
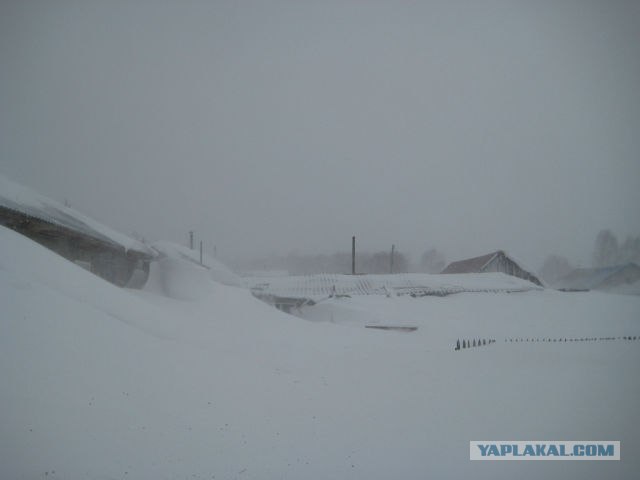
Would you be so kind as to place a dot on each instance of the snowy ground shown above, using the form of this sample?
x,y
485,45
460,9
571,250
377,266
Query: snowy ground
x,y
194,379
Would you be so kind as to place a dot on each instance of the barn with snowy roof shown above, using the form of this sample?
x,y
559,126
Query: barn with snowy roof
x,y
111,255
497,261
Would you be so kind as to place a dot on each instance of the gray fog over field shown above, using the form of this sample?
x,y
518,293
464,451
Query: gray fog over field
x,y
271,127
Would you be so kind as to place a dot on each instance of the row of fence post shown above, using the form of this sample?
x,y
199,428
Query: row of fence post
x,y
474,343
565,339
482,342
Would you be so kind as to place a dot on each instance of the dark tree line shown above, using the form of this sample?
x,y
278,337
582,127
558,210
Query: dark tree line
x,y
432,261
608,251
366,262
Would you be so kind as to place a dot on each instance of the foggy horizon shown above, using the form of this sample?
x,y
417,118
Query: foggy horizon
x,y
289,127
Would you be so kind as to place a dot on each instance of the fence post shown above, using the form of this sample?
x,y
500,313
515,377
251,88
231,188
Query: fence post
x,y
393,247
353,255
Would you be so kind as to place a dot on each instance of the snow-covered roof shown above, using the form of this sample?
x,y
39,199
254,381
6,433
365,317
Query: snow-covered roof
x,y
316,287
470,265
19,198
479,264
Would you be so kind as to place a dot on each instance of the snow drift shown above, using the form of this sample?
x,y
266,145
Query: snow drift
x,y
102,382
216,269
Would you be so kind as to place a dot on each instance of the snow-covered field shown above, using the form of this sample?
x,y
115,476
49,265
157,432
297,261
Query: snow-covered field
x,y
194,379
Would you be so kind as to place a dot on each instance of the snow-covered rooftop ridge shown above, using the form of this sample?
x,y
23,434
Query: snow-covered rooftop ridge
x,y
479,263
29,202
319,286
523,265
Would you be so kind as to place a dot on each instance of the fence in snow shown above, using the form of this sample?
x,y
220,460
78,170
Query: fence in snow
x,y
480,342
483,342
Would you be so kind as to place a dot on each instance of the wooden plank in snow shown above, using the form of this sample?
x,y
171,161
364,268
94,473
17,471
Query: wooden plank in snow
x,y
393,328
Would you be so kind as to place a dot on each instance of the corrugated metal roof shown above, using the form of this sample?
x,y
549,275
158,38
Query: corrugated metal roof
x,y
316,287
470,265
481,264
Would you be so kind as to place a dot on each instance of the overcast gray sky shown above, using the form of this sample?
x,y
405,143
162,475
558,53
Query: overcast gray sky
x,y
279,126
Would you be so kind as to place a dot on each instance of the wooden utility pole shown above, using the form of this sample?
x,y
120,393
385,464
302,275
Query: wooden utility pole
x,y
191,239
393,247
200,252
353,255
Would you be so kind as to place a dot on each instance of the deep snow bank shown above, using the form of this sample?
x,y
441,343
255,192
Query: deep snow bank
x,y
177,278
29,264
215,269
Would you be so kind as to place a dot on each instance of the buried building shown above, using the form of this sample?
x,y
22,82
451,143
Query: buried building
x,y
497,261
615,279
113,256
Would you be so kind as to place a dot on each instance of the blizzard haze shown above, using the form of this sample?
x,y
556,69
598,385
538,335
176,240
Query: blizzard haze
x,y
272,127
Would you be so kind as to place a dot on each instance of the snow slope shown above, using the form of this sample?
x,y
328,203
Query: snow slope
x,y
101,382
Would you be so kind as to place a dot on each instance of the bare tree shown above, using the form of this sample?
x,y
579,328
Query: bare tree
x,y
432,261
605,252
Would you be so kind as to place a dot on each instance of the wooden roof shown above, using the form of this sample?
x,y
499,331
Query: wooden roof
x,y
471,265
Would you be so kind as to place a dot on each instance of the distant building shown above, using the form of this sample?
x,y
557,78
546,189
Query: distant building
x,y
492,262
113,256
618,278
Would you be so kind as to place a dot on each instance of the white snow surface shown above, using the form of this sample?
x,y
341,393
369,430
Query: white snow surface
x,y
100,382
216,269
25,200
